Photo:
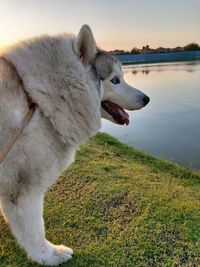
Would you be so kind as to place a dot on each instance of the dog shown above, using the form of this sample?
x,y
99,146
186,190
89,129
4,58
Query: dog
x,y
72,84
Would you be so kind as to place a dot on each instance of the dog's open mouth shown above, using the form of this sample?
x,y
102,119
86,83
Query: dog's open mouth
x,y
118,113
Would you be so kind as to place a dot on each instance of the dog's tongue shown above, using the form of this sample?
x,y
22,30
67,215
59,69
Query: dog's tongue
x,y
118,111
125,116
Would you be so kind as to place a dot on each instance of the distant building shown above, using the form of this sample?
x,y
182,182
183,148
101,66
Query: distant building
x,y
162,50
177,49
119,52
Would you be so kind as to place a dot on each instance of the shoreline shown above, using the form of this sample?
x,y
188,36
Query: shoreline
x,y
154,62
159,58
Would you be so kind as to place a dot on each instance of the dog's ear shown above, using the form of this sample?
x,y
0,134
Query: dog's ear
x,y
85,45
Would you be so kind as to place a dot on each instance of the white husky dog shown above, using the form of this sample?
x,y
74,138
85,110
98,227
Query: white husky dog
x,y
72,85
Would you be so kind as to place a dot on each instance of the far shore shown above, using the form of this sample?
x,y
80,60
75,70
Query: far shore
x,y
161,57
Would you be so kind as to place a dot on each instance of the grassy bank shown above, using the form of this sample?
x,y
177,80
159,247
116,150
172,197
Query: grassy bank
x,y
119,207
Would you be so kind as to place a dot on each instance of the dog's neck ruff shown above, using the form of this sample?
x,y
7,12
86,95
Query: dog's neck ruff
x,y
12,140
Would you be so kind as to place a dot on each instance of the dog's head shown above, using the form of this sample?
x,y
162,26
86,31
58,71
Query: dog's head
x,y
118,95
106,70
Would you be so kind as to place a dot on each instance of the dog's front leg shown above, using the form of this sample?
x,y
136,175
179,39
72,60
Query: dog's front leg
x,y
24,215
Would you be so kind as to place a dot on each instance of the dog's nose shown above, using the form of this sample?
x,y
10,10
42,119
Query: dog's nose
x,y
146,100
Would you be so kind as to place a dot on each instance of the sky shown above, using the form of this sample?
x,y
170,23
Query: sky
x,y
116,24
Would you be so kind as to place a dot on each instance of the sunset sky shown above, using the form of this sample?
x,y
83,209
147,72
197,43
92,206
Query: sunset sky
x,y
117,24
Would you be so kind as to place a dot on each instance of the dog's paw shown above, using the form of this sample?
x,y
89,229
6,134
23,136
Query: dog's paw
x,y
61,254
53,255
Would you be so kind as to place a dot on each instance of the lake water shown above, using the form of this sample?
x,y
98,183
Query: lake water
x,y
169,126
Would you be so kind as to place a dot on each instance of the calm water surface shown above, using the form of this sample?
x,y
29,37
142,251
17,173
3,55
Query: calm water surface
x,y
169,127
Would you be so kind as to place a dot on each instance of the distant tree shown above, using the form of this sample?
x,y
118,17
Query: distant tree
x,y
135,51
192,47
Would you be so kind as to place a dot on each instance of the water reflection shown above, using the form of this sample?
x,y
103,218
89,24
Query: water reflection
x,y
169,127
146,69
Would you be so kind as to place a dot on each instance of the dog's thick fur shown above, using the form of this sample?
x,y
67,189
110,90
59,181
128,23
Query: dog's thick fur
x,y
61,76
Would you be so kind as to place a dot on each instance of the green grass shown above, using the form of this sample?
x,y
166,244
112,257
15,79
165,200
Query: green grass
x,y
116,206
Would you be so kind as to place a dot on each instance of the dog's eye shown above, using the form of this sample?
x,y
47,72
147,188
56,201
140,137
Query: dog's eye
x,y
115,80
